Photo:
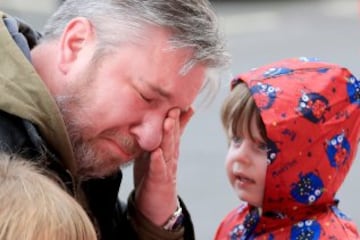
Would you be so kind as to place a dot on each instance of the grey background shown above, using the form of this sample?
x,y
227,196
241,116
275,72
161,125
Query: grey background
x,y
257,32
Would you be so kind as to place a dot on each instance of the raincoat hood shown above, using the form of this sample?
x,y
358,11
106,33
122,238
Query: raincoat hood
x,y
311,112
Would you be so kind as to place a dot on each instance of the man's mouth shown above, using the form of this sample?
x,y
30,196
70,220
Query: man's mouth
x,y
127,149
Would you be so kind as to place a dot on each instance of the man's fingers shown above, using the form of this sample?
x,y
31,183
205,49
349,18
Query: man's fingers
x,y
169,139
158,168
141,167
185,118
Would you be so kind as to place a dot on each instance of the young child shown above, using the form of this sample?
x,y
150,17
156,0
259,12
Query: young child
x,y
34,207
293,129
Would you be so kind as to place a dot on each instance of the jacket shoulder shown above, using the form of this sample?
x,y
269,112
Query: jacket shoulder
x,y
14,137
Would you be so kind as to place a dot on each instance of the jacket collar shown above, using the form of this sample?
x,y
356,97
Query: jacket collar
x,y
23,92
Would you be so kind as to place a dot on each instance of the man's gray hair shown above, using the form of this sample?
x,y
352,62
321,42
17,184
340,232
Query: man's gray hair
x,y
193,24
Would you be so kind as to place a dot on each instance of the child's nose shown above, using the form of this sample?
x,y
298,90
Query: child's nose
x,y
243,153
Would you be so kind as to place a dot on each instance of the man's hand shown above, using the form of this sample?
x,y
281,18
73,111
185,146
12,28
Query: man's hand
x,y
155,172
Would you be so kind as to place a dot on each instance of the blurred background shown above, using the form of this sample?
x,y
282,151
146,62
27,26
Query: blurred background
x,y
257,32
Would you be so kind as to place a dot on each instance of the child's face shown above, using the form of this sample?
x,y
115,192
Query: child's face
x,y
246,164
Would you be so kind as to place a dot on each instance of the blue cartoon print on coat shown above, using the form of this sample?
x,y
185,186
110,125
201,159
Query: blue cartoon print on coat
x,y
338,149
236,232
276,71
308,189
245,231
313,106
353,89
265,95
309,59
340,214
272,151
306,230
271,237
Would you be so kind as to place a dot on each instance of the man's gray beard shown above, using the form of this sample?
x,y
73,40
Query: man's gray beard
x,y
88,165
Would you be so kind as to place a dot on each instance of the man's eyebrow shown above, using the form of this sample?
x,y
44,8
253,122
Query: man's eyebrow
x,y
163,93
157,89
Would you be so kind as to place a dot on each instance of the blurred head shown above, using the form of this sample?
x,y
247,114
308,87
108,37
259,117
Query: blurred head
x,y
246,161
33,207
118,67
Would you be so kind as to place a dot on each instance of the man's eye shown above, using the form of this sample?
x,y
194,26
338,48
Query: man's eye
x,y
146,99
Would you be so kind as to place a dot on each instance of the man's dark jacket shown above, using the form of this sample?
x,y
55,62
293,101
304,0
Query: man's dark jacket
x,y
32,126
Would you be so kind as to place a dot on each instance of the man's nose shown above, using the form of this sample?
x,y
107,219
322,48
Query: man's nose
x,y
149,133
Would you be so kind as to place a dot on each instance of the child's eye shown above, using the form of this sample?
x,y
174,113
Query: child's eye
x,y
263,146
236,140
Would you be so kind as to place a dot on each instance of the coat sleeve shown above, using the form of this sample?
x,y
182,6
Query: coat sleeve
x,y
148,231
116,220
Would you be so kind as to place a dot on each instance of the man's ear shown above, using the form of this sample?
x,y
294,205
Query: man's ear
x,y
77,34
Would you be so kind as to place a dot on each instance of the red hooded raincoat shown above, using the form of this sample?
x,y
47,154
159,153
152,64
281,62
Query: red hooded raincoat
x,y
311,111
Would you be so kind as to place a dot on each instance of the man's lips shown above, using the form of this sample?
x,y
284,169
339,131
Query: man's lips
x,y
128,152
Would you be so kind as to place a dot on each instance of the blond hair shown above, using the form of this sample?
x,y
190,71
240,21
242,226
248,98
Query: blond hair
x,y
237,111
34,207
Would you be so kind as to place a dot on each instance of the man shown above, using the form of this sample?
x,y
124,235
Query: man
x,y
107,83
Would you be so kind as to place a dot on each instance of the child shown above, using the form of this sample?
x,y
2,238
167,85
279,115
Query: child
x,y
33,207
294,128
